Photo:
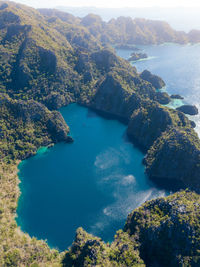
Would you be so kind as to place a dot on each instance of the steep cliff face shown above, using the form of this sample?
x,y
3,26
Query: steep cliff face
x,y
88,250
54,62
121,90
125,30
188,109
162,232
156,81
174,159
148,122
35,58
167,230
27,125
111,97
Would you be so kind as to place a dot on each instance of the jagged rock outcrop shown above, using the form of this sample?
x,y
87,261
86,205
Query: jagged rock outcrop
x,y
188,109
88,250
51,61
162,232
112,98
177,97
155,80
27,125
163,98
173,161
125,31
149,121
168,230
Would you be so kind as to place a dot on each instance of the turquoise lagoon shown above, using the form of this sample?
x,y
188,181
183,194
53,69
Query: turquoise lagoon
x,y
92,183
96,181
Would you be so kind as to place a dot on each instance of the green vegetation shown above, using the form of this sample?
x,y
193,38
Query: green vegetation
x,y
183,146
16,247
126,31
147,123
167,230
50,61
27,125
88,250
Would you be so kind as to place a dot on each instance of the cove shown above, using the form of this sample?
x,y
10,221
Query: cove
x,y
92,183
179,67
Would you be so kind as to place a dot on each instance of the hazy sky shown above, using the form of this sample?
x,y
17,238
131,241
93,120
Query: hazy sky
x,y
112,3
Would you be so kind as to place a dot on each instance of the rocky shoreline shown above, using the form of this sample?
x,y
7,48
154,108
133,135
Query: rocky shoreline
x,y
47,63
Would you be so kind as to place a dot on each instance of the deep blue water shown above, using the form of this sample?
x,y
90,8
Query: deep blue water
x,y
93,183
179,66
96,181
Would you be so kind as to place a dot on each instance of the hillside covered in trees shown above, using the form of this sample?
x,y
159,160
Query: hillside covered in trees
x,y
49,59
125,30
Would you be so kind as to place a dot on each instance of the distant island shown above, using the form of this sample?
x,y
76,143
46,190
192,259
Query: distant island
x,y
50,59
125,30
137,56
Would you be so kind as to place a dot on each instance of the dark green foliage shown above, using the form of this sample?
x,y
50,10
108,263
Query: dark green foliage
x,y
156,81
179,146
25,126
50,60
188,109
88,250
147,123
168,230
125,31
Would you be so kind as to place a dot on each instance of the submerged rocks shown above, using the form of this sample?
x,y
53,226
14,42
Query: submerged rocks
x,y
155,80
188,109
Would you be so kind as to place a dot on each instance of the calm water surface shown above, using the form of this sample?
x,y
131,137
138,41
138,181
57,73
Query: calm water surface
x,y
93,183
96,181
179,66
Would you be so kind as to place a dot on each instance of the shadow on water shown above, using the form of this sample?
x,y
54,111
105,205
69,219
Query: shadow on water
x,y
93,183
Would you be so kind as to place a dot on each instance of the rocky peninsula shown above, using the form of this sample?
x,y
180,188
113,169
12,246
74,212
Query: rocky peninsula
x,y
48,61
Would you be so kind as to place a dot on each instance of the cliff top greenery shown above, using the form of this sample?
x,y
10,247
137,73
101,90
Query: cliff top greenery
x,y
125,30
49,59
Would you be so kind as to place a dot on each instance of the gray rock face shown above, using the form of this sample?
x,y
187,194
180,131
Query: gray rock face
x,y
174,160
144,121
112,98
163,98
148,122
188,109
176,97
155,80
167,230
32,111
